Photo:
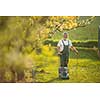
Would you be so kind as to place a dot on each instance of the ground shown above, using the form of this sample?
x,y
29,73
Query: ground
x,y
84,67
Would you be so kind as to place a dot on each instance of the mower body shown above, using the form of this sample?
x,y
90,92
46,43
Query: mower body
x,y
63,73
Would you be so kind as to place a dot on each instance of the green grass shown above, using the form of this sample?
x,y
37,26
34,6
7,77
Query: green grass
x,y
82,68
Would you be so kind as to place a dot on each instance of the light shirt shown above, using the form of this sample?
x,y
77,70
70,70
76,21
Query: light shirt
x,y
60,44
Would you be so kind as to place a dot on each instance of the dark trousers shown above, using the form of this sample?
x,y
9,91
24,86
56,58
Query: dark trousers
x,y
64,59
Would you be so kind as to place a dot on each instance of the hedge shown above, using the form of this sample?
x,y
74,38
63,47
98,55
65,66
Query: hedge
x,y
88,43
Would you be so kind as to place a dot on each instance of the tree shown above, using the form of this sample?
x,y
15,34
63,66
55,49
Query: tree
x,y
57,24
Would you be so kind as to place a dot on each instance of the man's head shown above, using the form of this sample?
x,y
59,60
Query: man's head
x,y
65,35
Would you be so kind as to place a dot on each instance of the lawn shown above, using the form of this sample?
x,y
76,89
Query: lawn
x,y
84,67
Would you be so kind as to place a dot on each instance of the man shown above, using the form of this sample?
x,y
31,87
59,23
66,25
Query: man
x,y
63,47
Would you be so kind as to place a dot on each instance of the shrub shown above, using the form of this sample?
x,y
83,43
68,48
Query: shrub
x,y
88,43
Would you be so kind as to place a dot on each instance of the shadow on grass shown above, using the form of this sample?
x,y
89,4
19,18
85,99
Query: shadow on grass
x,y
55,79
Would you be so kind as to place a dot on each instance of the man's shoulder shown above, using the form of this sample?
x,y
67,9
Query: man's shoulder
x,y
69,40
66,40
60,40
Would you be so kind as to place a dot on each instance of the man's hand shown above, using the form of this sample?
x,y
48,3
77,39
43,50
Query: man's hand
x,y
59,53
74,49
76,52
58,49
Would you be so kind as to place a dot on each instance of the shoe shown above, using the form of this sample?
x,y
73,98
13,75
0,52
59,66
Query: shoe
x,y
64,78
67,78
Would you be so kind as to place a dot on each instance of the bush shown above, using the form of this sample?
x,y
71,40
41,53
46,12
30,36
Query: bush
x,y
88,43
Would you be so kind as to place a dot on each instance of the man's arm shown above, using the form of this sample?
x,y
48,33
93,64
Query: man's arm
x,y
58,49
74,49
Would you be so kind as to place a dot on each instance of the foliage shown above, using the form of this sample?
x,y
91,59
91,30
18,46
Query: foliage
x,y
77,43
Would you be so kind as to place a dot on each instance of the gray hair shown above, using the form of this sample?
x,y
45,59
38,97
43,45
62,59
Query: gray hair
x,y
65,33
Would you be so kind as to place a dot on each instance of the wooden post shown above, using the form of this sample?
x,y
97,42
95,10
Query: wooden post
x,y
99,41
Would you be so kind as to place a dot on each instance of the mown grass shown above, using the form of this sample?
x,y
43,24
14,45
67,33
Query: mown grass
x,y
84,67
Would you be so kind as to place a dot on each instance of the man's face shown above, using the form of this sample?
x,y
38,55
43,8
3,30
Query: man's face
x,y
65,36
